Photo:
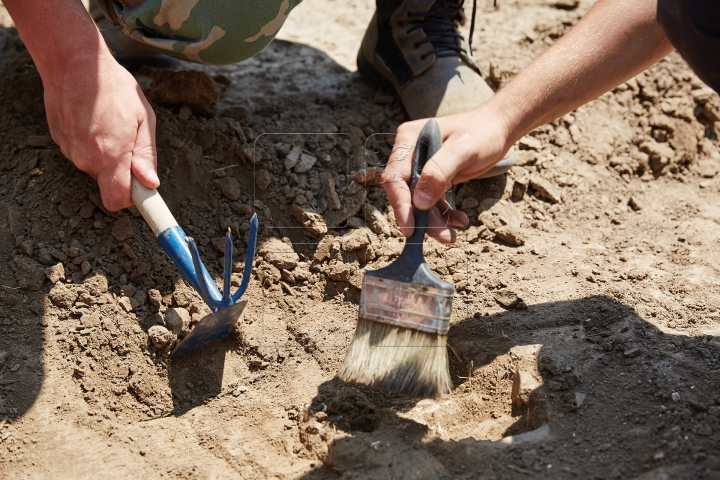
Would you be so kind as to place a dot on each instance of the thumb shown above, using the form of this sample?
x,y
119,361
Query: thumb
x,y
144,155
438,173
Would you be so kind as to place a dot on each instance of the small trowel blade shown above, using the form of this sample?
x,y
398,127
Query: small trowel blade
x,y
210,329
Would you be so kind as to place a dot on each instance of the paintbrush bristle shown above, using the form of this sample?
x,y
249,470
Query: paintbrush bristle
x,y
399,359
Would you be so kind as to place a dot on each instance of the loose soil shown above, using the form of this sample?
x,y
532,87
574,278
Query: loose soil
x,y
585,332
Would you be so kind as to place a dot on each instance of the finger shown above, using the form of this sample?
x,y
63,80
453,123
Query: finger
x,y
144,155
438,228
440,170
396,176
115,184
454,218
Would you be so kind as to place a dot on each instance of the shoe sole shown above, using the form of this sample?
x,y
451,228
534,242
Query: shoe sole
x,y
371,75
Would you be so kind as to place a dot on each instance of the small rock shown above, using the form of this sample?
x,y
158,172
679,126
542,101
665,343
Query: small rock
x,y
55,273
177,319
62,296
292,158
545,189
376,220
122,229
155,297
268,274
579,399
355,222
356,239
632,352
160,336
566,4
524,384
331,195
305,164
279,254
675,397
191,88
262,179
29,274
241,208
341,272
127,303
311,220
140,297
509,299
635,204
229,186
239,390
27,248
529,143
3,357
369,177
708,167
660,154
511,235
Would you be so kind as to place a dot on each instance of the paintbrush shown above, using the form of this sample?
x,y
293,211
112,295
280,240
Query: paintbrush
x,y
400,343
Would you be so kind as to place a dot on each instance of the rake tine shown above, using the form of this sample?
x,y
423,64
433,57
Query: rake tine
x,y
202,281
227,268
249,256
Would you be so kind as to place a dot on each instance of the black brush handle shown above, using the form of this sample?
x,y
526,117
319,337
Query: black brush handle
x,y
408,264
429,142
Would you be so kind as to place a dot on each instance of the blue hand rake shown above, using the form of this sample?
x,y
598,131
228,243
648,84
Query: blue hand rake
x,y
184,253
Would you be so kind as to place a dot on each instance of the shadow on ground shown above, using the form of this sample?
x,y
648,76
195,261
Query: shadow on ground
x,y
649,395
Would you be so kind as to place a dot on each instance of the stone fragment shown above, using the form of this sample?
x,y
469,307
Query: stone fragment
x,y
191,88
292,158
511,235
155,297
305,163
140,297
177,319
331,195
55,273
29,274
268,274
160,336
241,208
262,179
708,167
341,272
229,186
524,384
529,142
96,284
3,358
509,299
368,177
122,230
128,304
62,296
356,239
376,220
660,154
355,222
545,189
494,214
635,204
322,252
311,220
279,253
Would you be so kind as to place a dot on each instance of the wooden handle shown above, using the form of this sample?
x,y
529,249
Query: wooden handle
x,y
152,207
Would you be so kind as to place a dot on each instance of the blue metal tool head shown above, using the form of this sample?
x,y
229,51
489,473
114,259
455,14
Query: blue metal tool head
x,y
225,309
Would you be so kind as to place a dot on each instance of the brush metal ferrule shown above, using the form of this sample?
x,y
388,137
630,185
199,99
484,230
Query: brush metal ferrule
x,y
406,305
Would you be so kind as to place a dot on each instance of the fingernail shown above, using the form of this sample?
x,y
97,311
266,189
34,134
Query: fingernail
x,y
423,201
153,176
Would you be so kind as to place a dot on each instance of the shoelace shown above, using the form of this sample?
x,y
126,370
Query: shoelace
x,y
441,30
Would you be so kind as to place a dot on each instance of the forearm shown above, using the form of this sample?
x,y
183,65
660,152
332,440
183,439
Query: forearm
x,y
615,41
56,32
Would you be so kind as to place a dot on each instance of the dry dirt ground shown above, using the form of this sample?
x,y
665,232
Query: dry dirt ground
x,y
586,319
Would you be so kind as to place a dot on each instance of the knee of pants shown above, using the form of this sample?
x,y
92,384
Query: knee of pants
x,y
214,32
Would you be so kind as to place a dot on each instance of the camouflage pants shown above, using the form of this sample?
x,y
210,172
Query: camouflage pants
x,y
205,31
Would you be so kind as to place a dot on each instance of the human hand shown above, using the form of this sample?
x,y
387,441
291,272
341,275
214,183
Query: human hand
x,y
472,143
103,123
